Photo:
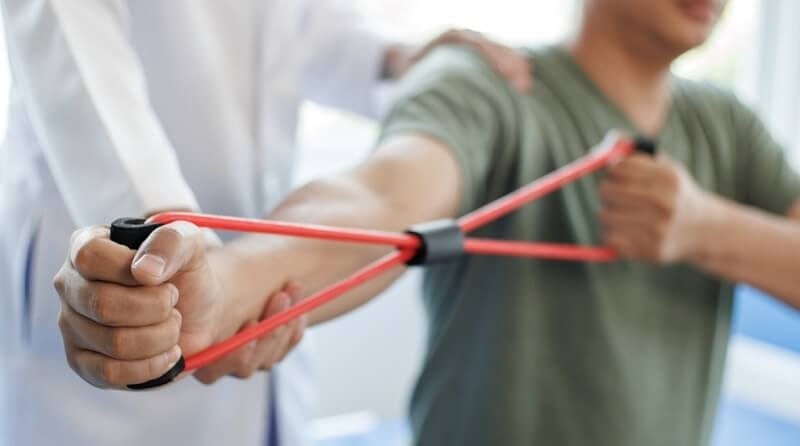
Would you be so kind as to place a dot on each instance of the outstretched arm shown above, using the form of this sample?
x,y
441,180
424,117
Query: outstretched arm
x,y
410,179
120,325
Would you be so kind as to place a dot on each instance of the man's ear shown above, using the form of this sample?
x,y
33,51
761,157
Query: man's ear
x,y
794,211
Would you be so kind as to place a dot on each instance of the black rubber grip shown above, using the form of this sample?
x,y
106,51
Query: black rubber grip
x,y
646,145
441,241
163,379
132,232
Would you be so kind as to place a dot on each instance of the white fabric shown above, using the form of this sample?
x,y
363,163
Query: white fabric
x,y
772,83
120,108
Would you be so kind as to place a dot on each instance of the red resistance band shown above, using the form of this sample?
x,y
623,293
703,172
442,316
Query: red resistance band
x,y
412,247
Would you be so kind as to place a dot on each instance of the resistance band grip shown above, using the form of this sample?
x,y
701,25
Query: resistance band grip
x,y
440,241
132,232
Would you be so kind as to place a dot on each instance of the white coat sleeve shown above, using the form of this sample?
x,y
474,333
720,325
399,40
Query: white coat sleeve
x,y
344,57
85,94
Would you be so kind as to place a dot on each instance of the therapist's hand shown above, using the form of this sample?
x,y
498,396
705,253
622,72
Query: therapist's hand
x,y
508,62
266,352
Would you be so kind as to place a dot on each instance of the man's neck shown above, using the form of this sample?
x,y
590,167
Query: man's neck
x,y
631,77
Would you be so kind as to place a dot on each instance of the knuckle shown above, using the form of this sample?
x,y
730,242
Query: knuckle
x,y
111,372
119,343
242,364
101,306
63,323
60,282
162,301
205,379
245,373
298,337
86,258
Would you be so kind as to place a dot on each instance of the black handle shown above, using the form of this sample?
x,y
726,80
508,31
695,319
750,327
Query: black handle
x,y
646,145
132,232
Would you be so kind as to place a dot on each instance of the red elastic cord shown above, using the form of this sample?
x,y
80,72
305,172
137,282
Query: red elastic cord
x,y
596,160
551,251
406,244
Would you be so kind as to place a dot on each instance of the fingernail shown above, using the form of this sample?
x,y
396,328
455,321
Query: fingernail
x,y
151,264
173,355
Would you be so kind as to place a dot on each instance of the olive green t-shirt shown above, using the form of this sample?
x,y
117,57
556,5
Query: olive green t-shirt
x,y
531,352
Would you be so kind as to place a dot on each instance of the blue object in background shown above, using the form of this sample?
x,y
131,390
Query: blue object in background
x,y
758,316
740,424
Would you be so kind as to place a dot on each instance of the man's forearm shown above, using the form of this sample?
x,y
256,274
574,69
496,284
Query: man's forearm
x,y
386,193
747,245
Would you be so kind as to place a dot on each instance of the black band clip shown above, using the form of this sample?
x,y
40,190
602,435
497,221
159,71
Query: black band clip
x,y
441,241
646,145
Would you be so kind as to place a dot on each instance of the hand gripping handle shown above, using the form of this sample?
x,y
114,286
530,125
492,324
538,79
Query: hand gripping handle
x,y
132,232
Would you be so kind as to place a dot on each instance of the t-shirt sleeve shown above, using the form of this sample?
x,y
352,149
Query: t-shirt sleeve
x,y
454,97
768,180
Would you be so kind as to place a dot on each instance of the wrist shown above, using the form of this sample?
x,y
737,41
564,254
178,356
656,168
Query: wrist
x,y
222,269
247,272
711,217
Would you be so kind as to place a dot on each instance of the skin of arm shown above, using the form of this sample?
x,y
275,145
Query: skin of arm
x,y
653,211
383,193
748,245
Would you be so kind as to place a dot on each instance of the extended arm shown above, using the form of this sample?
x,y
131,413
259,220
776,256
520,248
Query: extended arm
x,y
119,317
410,179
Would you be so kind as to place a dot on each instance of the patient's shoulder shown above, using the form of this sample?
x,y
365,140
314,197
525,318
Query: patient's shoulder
x,y
706,100
706,94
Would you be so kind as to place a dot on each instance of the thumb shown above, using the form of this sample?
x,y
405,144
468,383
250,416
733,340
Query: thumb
x,y
170,249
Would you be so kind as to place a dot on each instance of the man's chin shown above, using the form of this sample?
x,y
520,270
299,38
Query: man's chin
x,y
690,40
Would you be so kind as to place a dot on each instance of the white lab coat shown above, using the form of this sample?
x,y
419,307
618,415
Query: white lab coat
x,y
123,107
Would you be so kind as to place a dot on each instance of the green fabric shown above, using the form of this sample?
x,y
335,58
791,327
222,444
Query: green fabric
x,y
525,352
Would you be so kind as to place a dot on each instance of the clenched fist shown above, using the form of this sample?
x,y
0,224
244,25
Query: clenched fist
x,y
127,316
652,210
